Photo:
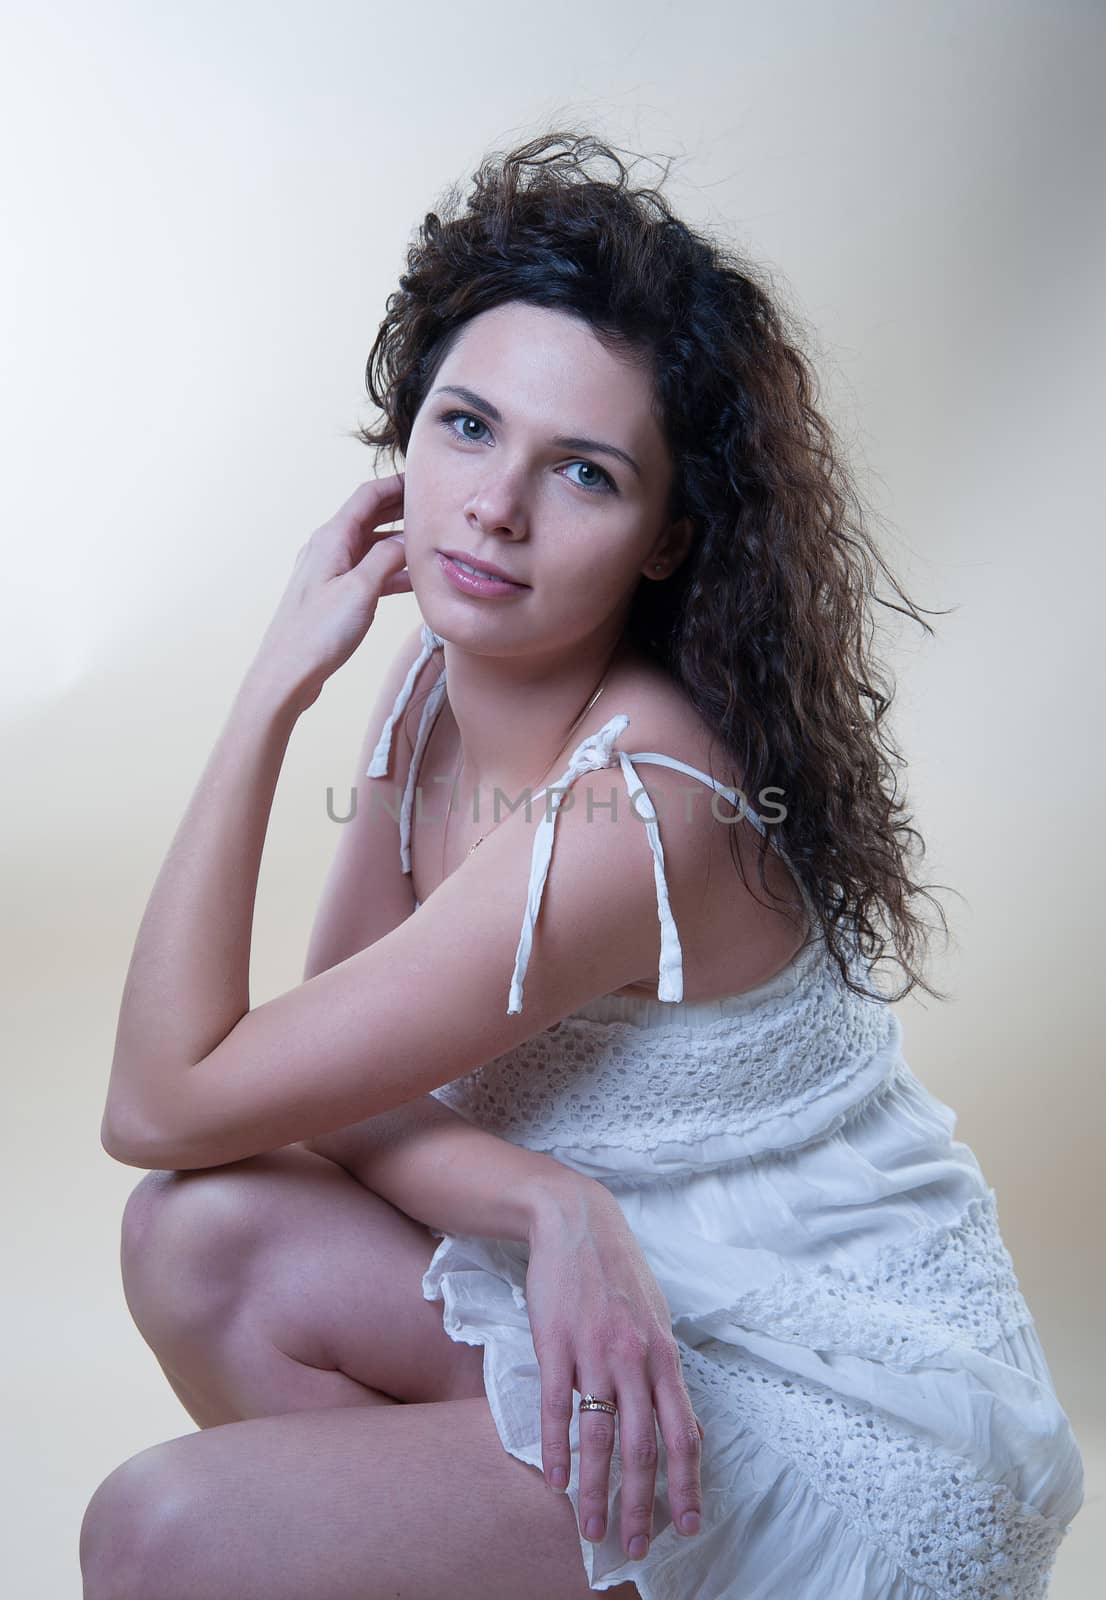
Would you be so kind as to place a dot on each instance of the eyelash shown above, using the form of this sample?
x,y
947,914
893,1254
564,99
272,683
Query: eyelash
x,y
449,417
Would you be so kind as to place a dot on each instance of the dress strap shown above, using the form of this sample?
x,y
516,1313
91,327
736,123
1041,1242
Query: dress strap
x,y
378,766
734,796
381,758
592,755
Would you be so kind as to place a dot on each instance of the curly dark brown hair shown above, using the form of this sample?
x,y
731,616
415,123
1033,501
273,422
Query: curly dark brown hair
x,y
766,624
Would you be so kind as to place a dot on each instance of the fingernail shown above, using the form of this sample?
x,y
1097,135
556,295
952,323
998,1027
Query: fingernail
x,y
594,1529
560,1478
639,1544
689,1522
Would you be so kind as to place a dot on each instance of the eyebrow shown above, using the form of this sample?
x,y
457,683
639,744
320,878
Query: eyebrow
x,y
597,447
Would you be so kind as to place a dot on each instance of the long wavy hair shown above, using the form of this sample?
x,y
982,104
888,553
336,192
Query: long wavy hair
x,y
766,624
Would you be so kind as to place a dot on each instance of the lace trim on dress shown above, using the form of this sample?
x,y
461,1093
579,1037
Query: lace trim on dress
x,y
964,1536
909,1305
585,1082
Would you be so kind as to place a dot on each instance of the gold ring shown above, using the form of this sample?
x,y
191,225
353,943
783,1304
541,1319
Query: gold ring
x,y
591,1403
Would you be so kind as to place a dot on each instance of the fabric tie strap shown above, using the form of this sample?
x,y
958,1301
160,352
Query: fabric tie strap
x,y
381,757
593,755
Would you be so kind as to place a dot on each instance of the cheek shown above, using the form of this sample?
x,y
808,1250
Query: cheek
x,y
438,479
421,492
595,577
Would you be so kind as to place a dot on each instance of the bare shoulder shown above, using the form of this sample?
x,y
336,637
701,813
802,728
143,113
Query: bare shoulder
x,y
663,719
692,815
732,939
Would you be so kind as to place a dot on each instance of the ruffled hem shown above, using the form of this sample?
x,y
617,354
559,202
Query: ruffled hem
x,y
880,1419
792,1525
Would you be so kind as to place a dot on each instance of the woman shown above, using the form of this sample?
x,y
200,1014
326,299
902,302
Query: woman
x,y
626,1118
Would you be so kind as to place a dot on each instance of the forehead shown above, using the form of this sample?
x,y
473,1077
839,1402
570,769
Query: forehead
x,y
542,355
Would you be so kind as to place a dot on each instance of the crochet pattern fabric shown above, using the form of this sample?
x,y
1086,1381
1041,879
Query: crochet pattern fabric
x,y
880,1420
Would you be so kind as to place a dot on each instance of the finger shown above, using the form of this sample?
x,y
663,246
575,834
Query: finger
x,y
682,1433
556,1418
341,545
597,1430
637,1448
383,560
400,583
355,528
369,499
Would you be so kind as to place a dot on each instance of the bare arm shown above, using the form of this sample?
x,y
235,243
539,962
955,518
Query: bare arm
x,y
421,1156
439,1169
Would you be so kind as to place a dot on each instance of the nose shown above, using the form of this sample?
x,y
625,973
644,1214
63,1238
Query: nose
x,y
498,505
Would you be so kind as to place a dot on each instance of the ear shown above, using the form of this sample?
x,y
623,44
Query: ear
x,y
670,550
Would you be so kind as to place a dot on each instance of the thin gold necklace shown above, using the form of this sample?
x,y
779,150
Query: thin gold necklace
x,y
495,825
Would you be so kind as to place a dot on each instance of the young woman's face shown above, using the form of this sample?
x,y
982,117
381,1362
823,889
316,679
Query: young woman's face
x,y
489,473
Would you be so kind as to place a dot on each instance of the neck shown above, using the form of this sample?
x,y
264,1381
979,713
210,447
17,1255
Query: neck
x,y
513,716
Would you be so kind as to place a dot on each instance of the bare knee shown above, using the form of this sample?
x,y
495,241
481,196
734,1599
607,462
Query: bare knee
x,y
186,1242
117,1532
190,1238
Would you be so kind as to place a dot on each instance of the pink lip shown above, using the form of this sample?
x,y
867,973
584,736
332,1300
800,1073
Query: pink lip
x,y
484,566
468,583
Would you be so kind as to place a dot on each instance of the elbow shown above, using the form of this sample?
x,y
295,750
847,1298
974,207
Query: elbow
x,y
135,1144
130,1145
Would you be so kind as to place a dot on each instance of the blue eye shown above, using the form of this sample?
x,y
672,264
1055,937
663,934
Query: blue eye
x,y
607,484
451,416
591,467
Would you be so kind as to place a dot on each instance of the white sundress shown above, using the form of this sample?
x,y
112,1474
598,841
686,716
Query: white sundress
x,y
880,1420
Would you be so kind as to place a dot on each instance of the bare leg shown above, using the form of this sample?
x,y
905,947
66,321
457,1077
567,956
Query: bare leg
x,y
256,1283
276,1383
417,1501
280,1284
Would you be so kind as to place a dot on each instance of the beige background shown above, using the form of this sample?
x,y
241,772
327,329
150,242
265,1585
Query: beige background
x,y
206,207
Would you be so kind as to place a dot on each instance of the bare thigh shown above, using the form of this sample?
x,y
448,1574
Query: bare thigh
x,y
285,1252
417,1501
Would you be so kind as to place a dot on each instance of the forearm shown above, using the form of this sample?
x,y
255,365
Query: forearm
x,y
432,1164
187,985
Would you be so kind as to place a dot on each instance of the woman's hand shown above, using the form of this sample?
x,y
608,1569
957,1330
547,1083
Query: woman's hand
x,y
602,1326
340,575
